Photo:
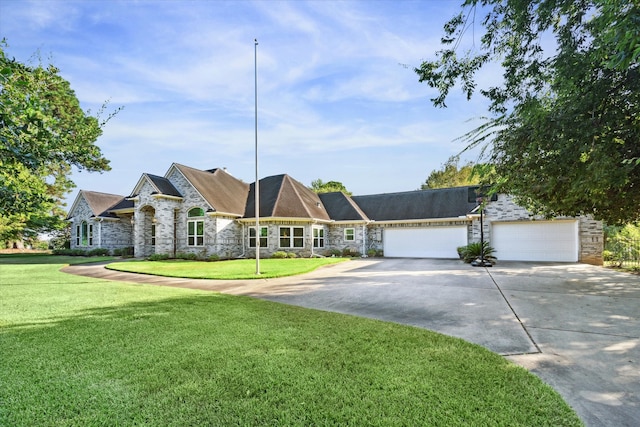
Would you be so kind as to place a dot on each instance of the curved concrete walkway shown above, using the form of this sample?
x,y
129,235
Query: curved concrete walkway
x,y
576,326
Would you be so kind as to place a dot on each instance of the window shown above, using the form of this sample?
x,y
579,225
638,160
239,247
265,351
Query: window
x,y
84,228
195,227
318,237
349,234
84,234
263,237
291,237
153,234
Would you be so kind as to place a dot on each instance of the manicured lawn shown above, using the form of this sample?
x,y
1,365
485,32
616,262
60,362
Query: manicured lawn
x,y
226,270
84,352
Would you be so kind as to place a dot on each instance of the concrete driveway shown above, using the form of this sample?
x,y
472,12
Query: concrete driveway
x,y
576,326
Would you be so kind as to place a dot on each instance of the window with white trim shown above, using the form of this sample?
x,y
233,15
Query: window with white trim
x,y
84,234
292,237
318,237
263,237
349,234
195,227
153,234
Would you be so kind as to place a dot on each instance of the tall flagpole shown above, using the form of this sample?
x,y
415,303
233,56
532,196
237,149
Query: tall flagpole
x,y
257,186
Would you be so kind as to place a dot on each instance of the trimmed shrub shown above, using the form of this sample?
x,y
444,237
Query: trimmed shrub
x,y
213,257
292,255
158,257
279,254
371,253
99,252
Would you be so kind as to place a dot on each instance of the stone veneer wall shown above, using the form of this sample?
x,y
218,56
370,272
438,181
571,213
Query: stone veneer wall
x,y
107,233
590,231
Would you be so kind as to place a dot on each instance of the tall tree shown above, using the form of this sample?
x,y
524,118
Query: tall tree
x,y
563,130
451,175
43,133
318,186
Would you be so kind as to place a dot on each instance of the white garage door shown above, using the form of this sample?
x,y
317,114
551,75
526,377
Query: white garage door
x,y
536,241
433,242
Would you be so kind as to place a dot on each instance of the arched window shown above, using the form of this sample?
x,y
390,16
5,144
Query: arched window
x,y
195,227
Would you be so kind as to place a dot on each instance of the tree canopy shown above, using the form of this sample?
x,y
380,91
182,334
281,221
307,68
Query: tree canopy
x,y
318,186
452,175
563,125
43,134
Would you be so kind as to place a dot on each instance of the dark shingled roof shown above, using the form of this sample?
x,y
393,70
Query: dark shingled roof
x,y
163,185
341,207
122,204
222,191
284,197
421,204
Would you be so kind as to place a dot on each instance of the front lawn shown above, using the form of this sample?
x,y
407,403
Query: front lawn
x,y
77,351
226,270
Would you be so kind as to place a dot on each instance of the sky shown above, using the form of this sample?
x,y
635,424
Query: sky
x,y
337,95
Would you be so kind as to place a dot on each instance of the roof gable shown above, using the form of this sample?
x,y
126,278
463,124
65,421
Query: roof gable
x,y
283,197
161,185
99,203
420,204
223,192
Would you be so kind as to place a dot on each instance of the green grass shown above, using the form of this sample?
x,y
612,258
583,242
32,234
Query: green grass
x,y
84,352
226,270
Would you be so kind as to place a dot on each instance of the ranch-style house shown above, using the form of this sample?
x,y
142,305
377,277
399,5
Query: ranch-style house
x,y
211,212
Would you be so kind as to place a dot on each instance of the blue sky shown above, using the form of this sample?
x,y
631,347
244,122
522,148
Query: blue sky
x,y
337,95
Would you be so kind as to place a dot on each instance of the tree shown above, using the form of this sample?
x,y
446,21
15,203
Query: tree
x,y
563,131
318,186
451,175
43,133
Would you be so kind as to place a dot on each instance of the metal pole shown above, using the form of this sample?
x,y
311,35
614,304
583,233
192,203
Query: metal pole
x,y
257,185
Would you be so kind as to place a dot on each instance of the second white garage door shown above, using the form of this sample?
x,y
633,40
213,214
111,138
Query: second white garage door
x,y
535,241
432,242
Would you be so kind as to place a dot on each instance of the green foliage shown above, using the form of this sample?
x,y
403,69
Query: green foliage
x,y
213,257
187,256
226,270
158,257
69,252
279,255
564,126
98,252
622,245
318,186
473,251
78,351
452,175
349,252
292,255
123,252
43,133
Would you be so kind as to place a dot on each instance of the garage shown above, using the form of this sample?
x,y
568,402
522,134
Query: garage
x,y
535,241
427,242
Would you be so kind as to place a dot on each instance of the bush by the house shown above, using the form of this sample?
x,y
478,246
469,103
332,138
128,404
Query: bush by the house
x,y
473,251
348,252
123,252
213,257
158,257
279,254
99,252
69,252
292,255
189,256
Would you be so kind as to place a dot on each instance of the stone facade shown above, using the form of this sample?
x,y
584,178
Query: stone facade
x,y
158,223
590,231
108,233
